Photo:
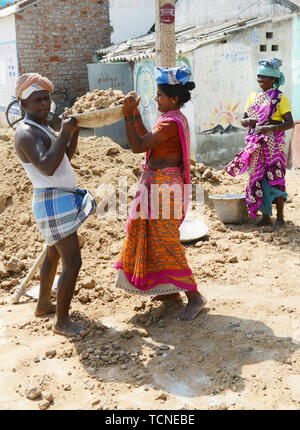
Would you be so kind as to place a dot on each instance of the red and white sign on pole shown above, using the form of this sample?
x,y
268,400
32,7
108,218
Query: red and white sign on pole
x,y
165,33
167,14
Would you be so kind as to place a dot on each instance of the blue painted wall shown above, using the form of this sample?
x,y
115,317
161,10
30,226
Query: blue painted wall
x,y
6,2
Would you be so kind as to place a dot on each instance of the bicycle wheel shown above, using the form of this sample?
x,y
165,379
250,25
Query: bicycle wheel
x,y
14,113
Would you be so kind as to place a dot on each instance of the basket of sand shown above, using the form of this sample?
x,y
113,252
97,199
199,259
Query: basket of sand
x,y
99,118
99,108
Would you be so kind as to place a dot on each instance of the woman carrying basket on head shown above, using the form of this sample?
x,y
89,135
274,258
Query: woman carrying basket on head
x,y
152,260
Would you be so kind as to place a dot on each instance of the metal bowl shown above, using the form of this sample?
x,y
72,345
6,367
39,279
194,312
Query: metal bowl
x,y
192,229
230,208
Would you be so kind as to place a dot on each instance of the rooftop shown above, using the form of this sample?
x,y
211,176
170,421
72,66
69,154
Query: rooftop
x,y
9,7
5,3
291,3
187,39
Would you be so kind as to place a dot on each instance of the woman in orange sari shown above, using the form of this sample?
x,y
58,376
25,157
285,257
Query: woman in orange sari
x,y
152,260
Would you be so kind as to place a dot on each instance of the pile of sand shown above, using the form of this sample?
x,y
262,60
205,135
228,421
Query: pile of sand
x,y
242,350
99,99
102,167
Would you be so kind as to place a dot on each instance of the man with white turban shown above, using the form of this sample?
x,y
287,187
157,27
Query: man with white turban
x,y
58,205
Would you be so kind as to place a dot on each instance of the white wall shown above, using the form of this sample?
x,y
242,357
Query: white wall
x,y
197,12
225,75
8,63
131,18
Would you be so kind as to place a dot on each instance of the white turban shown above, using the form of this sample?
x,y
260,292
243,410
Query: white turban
x,y
31,82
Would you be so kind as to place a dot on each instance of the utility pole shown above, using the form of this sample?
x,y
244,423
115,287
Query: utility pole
x,y
165,33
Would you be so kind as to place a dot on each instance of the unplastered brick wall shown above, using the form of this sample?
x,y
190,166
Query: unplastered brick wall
x,y
57,38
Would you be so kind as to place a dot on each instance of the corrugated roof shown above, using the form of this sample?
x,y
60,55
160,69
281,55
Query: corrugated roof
x,y
187,39
10,7
293,4
4,3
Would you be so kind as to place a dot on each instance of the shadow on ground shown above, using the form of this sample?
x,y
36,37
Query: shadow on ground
x,y
185,359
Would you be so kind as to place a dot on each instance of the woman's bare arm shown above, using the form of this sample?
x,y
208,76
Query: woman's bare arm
x,y
138,143
285,125
247,122
139,125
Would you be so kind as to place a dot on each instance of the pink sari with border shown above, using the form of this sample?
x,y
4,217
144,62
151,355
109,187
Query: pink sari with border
x,y
264,154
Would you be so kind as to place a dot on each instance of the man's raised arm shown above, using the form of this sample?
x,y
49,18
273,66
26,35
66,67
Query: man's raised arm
x,y
47,161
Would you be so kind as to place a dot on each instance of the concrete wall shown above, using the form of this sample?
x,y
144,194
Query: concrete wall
x,y
295,66
57,39
225,76
117,76
131,18
227,73
190,12
8,64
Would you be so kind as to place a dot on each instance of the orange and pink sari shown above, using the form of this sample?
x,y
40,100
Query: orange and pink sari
x,y
152,260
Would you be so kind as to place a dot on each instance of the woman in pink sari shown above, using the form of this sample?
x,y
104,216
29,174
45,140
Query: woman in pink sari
x,y
152,261
267,116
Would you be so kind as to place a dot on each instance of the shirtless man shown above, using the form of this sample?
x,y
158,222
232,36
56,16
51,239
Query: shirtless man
x,y
59,206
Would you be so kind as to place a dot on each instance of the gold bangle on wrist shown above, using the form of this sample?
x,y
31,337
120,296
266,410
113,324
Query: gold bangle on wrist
x,y
129,118
132,118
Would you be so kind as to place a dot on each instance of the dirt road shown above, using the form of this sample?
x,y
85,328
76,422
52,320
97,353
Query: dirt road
x,y
241,352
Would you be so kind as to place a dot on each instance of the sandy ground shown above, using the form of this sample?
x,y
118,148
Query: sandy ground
x,y
241,352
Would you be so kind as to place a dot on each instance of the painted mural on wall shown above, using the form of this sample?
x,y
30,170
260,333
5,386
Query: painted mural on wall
x,y
145,87
224,119
184,61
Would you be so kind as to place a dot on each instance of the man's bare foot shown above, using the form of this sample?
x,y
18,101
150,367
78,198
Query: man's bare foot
x,y
166,297
266,220
42,310
196,303
279,223
69,328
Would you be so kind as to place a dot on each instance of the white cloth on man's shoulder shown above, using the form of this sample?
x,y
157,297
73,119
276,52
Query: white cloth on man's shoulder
x,y
63,177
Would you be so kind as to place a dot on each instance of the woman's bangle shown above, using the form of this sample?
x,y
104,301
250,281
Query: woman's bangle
x,y
132,118
129,118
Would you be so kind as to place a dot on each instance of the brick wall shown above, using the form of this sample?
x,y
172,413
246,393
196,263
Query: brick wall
x,y
57,38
